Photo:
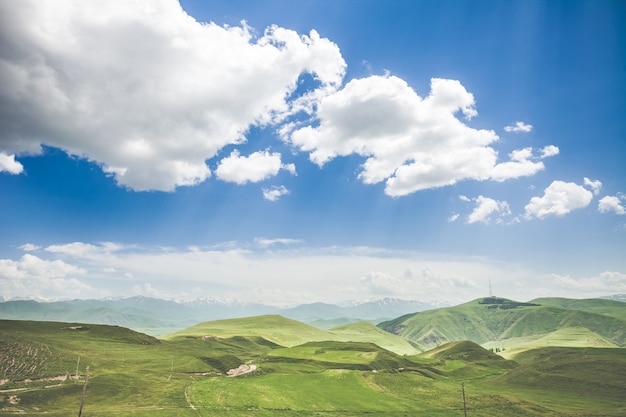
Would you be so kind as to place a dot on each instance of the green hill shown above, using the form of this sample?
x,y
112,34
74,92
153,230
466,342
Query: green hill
x,y
277,329
489,321
288,333
464,350
611,308
367,332
132,374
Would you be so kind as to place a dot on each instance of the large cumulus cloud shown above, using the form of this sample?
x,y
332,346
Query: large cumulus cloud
x,y
142,88
411,142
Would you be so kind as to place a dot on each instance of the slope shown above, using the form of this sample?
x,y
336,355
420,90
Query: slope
x,y
496,319
610,308
367,332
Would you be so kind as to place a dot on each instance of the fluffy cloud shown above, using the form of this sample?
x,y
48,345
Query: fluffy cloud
x,y
34,276
486,207
253,168
143,89
30,266
274,193
595,185
9,164
558,199
611,203
412,143
549,151
518,127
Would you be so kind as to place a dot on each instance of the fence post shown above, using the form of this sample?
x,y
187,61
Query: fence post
x,y
82,398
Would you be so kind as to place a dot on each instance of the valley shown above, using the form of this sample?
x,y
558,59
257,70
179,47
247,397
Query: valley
x,y
565,361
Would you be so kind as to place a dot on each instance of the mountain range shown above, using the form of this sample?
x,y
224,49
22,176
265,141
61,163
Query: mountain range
x,y
158,317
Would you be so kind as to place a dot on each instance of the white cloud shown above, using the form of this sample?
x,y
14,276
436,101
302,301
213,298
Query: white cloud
x,y
30,266
518,127
256,167
279,272
33,276
85,250
453,217
549,151
464,198
275,192
143,89
412,143
486,207
595,185
29,247
607,282
519,164
558,199
611,203
265,243
9,164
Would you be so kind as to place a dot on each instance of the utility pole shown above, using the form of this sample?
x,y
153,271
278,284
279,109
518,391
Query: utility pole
x,y
464,403
82,398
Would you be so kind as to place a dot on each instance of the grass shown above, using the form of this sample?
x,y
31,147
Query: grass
x,y
492,320
184,375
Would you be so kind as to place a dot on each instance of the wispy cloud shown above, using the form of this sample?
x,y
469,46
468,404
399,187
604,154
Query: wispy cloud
x,y
595,185
518,127
274,193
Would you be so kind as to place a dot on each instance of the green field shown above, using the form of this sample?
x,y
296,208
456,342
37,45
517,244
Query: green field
x,y
185,374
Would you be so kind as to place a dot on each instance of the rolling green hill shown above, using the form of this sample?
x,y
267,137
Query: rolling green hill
x,y
287,332
132,374
497,322
275,328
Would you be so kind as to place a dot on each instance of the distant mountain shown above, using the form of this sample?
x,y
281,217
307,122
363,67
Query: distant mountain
x,y
158,317
497,322
616,297
373,311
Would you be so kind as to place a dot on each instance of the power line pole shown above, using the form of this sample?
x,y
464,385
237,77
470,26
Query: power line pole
x,y
82,398
464,403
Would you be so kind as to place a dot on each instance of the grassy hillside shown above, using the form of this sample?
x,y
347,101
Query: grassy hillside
x,y
611,308
492,321
367,332
289,333
277,329
132,374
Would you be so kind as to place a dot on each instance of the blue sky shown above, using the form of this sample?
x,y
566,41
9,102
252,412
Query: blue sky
x,y
290,152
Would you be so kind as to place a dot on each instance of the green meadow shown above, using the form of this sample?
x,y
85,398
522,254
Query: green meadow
x,y
292,369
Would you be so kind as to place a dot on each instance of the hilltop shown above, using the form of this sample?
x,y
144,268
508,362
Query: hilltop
x,y
501,323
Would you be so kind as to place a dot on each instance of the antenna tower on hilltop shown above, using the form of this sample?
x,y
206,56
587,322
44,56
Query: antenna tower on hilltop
x,y
490,292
